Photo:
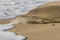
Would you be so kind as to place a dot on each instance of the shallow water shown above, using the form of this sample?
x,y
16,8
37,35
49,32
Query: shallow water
x,y
13,8
4,35
6,26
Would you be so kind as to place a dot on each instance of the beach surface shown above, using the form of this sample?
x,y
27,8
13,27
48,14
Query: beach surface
x,y
38,31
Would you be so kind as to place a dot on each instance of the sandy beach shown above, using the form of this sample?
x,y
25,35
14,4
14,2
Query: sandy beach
x,y
38,31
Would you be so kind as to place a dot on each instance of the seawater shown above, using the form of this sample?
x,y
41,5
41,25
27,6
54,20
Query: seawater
x,y
13,8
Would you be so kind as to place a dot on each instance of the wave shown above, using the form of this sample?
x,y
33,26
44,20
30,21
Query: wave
x,y
13,8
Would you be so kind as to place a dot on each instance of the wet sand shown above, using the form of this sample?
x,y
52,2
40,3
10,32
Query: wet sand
x,y
38,31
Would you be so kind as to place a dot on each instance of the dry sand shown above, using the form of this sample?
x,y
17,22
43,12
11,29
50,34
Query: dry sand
x,y
38,31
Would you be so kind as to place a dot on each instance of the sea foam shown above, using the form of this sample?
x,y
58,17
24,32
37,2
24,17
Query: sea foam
x,y
13,8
